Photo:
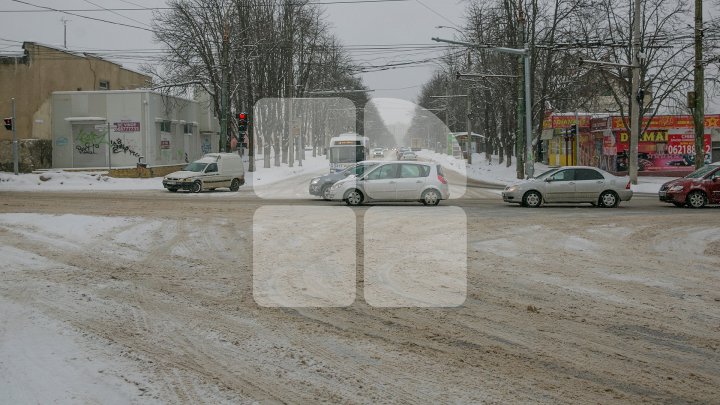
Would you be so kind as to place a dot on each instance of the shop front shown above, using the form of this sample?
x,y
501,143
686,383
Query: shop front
x,y
566,146
666,146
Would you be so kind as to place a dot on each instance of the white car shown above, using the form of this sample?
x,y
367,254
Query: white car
x,y
571,184
394,181
378,152
408,156
214,170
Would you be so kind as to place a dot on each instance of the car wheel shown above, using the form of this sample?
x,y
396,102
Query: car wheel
x,y
325,192
532,199
696,199
196,187
172,189
235,185
354,198
431,197
608,199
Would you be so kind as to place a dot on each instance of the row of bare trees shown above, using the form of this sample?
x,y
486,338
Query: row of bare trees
x,y
242,51
560,33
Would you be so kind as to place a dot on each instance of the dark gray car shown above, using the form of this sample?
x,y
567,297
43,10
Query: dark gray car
x,y
320,186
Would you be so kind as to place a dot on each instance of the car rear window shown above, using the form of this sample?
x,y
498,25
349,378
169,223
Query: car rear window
x,y
588,174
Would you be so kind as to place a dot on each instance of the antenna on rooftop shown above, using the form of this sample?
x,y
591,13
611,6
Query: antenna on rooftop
x,y
64,21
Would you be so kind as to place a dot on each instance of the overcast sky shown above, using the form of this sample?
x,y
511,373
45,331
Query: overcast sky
x,y
356,25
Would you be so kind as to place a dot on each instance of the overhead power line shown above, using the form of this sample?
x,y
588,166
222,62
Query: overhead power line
x,y
83,16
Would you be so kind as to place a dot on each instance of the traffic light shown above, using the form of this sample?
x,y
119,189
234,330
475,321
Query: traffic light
x,y
242,123
8,123
573,130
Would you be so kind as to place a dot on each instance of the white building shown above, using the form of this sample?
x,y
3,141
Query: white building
x,y
144,127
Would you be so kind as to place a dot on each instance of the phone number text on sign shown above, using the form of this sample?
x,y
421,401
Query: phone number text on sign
x,y
684,144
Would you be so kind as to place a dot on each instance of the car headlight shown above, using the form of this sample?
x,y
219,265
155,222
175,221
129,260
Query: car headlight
x,y
675,189
511,189
315,180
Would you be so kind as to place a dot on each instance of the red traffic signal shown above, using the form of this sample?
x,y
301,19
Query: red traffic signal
x,y
8,123
242,122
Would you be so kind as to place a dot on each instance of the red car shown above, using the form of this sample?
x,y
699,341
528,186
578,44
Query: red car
x,y
695,190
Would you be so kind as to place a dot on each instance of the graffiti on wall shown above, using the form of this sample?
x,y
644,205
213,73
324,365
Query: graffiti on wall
x,y
119,147
206,146
88,142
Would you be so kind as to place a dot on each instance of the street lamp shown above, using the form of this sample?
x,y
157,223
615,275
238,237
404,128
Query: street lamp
x,y
449,27
525,53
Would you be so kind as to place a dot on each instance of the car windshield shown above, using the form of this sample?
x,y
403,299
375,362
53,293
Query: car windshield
x,y
195,167
350,170
360,169
545,174
701,172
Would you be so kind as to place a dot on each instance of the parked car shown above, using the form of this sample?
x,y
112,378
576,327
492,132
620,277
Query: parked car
x,y
695,190
571,184
378,152
213,170
394,181
408,156
320,186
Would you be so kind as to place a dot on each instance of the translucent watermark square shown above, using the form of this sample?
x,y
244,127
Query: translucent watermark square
x,y
304,256
415,257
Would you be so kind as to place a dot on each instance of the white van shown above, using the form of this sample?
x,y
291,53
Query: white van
x,y
214,170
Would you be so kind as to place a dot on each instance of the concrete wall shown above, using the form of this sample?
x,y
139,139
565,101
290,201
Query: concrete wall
x,y
159,129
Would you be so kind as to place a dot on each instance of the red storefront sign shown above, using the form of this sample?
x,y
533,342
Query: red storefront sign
x,y
669,121
127,126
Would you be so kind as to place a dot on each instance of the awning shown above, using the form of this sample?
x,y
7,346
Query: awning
x,y
547,134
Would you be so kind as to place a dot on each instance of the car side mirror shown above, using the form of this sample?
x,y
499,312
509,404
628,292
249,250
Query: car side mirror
x,y
548,180
716,178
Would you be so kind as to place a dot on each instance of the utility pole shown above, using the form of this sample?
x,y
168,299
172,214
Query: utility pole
x,y
634,96
224,96
520,138
469,126
250,133
14,141
699,88
577,138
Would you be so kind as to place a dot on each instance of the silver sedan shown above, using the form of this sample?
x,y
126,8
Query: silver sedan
x,y
571,184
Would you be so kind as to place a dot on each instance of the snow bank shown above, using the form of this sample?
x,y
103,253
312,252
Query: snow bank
x,y
58,180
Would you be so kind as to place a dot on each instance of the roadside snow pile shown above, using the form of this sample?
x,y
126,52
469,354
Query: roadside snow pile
x,y
318,165
481,169
73,181
650,185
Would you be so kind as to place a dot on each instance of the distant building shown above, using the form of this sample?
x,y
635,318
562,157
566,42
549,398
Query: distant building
x,y
32,77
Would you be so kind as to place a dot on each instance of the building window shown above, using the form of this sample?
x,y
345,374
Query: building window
x,y
104,85
165,126
188,128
